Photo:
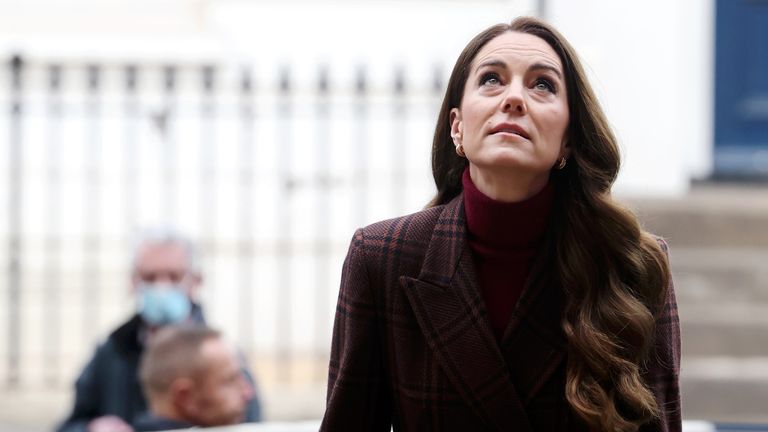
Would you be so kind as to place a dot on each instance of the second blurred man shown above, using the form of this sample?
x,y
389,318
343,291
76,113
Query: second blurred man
x,y
191,377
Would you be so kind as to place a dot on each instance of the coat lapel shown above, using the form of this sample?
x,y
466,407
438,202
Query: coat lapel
x,y
451,314
534,344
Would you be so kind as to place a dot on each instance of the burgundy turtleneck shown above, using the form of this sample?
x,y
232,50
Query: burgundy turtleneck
x,y
504,238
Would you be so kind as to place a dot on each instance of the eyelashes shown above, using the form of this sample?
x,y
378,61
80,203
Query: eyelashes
x,y
546,84
490,79
493,79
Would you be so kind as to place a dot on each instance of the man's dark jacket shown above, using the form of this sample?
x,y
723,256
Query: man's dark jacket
x,y
109,384
149,422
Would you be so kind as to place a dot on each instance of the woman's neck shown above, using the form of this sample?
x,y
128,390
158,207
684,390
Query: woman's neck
x,y
501,185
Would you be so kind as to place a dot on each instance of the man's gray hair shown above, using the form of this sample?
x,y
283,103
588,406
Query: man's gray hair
x,y
164,235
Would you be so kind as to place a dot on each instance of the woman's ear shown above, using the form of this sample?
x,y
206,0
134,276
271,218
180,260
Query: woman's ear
x,y
457,127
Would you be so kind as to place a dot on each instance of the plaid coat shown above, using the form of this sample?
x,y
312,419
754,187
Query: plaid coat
x,y
413,349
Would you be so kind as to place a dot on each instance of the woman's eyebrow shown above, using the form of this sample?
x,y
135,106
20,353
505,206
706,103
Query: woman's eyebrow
x,y
543,66
492,63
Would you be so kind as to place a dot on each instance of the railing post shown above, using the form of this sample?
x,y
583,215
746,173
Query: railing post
x,y
131,150
360,148
208,181
165,124
247,222
15,196
286,185
399,158
92,206
322,187
53,285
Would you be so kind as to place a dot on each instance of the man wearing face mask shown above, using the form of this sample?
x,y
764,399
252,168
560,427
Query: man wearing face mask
x,y
165,278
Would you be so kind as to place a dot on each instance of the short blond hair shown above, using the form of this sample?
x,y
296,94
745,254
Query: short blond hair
x,y
174,352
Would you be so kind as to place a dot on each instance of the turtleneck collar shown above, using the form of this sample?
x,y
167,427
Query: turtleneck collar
x,y
502,225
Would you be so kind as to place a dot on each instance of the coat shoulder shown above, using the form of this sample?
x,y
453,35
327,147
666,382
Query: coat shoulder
x,y
397,246
415,227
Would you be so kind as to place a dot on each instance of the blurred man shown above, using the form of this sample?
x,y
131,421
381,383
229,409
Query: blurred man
x,y
191,377
165,278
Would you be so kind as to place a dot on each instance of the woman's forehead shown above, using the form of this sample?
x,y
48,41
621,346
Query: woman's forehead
x,y
517,47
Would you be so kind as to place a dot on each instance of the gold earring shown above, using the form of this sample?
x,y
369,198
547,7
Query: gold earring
x,y
561,164
460,150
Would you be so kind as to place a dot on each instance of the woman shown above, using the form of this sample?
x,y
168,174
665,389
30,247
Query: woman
x,y
524,298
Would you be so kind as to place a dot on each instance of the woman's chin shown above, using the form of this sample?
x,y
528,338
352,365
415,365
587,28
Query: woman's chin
x,y
505,159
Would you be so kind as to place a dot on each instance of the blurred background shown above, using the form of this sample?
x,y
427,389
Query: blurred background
x,y
269,130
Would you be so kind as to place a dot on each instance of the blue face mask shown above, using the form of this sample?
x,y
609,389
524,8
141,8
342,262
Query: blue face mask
x,y
161,304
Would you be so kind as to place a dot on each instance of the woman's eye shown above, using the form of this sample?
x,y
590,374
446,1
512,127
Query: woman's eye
x,y
544,85
490,79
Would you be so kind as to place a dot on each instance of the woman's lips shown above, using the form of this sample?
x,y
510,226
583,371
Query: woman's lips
x,y
510,129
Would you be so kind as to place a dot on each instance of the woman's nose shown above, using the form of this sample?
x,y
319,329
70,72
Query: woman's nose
x,y
513,101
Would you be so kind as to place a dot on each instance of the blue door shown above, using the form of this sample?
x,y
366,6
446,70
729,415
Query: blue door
x,y
741,88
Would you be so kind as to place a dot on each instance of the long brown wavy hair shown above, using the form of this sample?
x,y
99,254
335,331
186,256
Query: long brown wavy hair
x,y
615,275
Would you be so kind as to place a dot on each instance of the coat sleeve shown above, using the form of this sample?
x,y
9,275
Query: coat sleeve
x,y
86,399
663,372
358,390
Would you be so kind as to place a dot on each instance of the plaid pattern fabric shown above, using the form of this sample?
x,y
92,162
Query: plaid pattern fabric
x,y
663,370
413,349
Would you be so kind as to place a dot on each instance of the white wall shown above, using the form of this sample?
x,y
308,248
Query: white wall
x,y
651,65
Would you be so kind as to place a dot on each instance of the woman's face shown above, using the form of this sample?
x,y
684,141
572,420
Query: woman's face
x,y
514,112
